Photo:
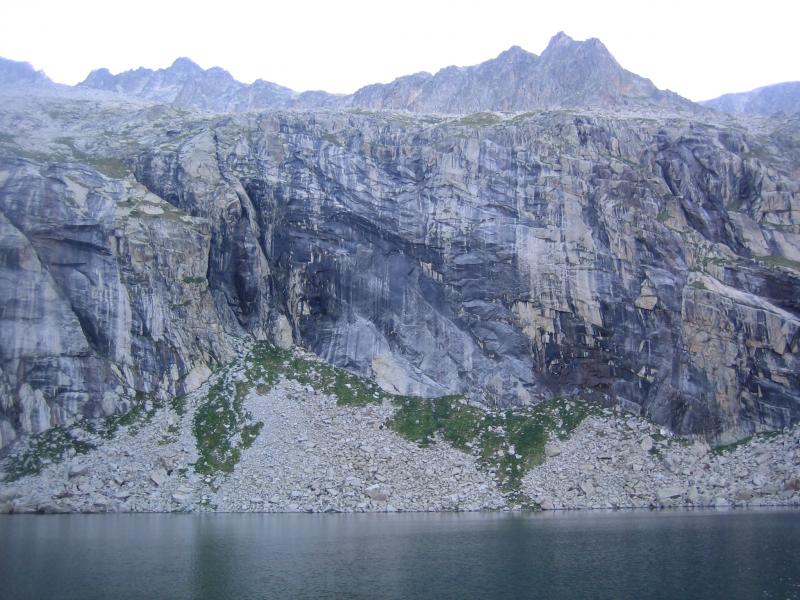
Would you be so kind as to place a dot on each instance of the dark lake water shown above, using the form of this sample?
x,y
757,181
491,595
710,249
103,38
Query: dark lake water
x,y
676,555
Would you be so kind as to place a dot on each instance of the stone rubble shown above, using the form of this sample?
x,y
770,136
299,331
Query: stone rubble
x,y
311,456
315,456
618,461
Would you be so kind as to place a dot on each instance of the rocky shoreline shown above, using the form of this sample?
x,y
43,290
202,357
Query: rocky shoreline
x,y
618,461
312,454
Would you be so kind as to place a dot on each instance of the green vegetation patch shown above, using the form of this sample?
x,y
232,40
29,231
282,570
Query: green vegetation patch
x,y
331,138
138,416
54,445
513,441
178,404
194,280
266,362
481,119
222,427
110,166
728,448
780,261
419,419
44,448
508,443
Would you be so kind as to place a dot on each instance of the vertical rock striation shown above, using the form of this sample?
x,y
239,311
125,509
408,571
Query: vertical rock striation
x,y
651,262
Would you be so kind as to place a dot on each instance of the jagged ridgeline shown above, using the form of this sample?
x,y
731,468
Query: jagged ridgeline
x,y
639,250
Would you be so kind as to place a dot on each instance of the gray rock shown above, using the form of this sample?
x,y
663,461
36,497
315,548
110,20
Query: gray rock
x,y
78,470
158,477
9,494
669,492
720,502
51,508
551,450
23,506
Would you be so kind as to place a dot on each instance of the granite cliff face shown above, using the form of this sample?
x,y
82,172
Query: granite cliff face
x,y
539,255
569,73
765,101
651,259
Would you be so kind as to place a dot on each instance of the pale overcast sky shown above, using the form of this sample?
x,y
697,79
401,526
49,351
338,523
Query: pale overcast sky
x,y
697,48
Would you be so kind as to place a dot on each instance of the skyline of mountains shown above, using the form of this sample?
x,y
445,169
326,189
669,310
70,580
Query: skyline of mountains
x,y
568,74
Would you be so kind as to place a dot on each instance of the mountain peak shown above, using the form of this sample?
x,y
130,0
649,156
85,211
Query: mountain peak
x,y
563,45
514,53
559,40
183,63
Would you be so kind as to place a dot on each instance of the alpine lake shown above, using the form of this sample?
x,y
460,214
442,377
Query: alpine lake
x,y
674,554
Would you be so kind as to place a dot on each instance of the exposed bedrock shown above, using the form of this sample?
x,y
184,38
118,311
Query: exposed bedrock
x,y
104,298
652,262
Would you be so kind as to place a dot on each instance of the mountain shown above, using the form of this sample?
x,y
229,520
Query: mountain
x,y
567,74
765,101
13,73
185,83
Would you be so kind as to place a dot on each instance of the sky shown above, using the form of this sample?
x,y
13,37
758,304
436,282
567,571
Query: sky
x,y
699,48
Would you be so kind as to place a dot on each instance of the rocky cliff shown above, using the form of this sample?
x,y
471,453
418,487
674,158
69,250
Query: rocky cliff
x,y
654,262
650,262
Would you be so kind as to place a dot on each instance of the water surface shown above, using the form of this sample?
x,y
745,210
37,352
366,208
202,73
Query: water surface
x,y
675,555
